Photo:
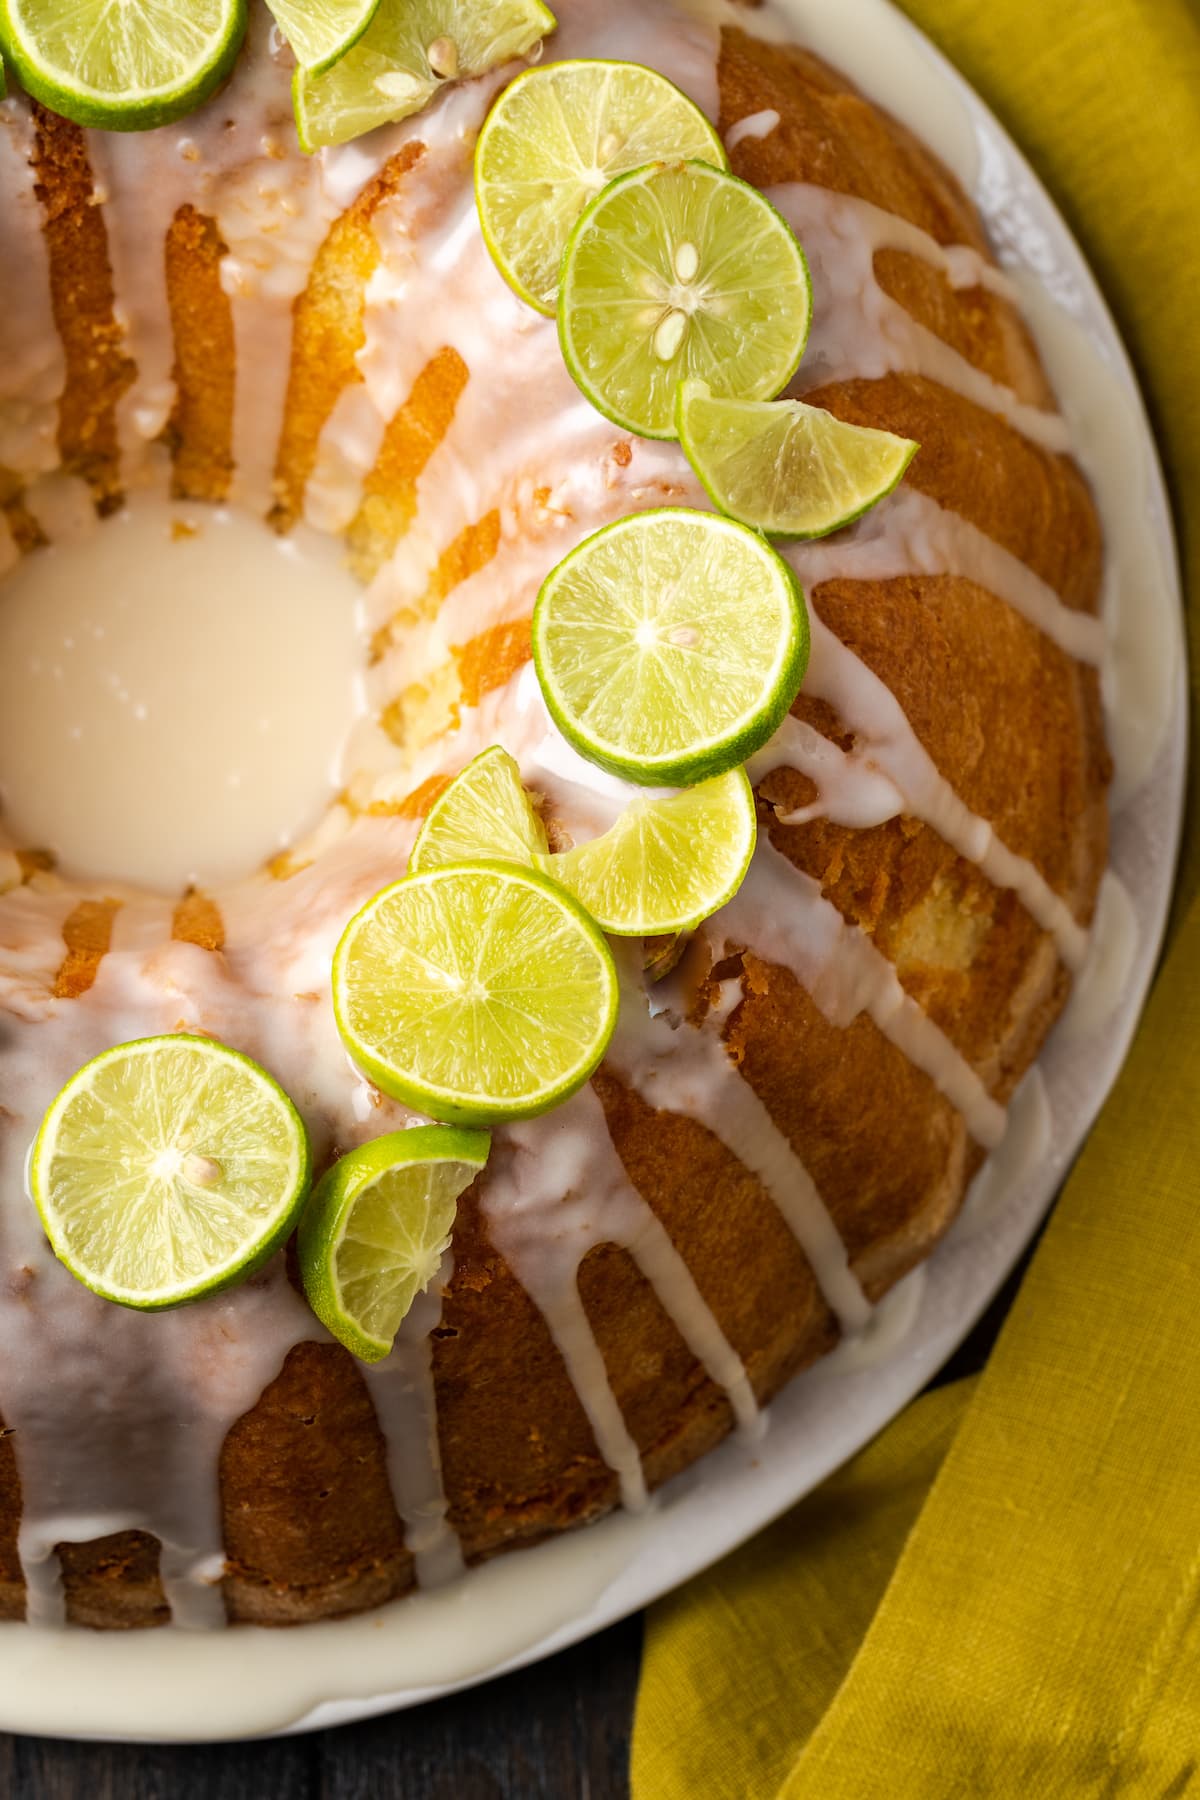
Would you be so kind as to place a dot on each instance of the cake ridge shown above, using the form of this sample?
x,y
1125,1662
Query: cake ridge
x,y
271,938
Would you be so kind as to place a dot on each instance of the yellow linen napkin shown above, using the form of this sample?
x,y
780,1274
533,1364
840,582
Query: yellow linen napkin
x,y
742,1663
1040,1633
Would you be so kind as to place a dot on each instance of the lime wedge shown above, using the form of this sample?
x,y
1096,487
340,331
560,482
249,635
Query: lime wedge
x,y
484,812
670,645
374,1233
667,863
319,32
554,138
124,67
787,468
679,270
474,992
410,49
167,1169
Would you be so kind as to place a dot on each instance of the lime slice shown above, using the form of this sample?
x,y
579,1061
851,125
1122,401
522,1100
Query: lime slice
x,y
410,49
374,1233
474,992
167,1169
679,270
484,812
789,469
670,645
319,32
125,67
554,138
667,863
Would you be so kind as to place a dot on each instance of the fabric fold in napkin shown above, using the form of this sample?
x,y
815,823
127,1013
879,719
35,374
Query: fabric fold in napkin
x,y
1001,1595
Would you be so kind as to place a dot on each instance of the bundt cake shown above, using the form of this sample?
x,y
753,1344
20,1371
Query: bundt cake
x,y
771,1144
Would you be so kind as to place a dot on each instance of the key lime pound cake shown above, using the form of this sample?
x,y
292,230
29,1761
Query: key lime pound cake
x,y
753,869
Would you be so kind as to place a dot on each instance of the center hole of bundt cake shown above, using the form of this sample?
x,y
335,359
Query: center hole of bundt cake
x,y
177,687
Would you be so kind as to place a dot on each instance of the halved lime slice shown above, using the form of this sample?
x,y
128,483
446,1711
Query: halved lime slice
x,y
667,863
410,49
679,270
787,468
670,645
555,137
124,67
319,32
474,992
484,812
167,1169
374,1233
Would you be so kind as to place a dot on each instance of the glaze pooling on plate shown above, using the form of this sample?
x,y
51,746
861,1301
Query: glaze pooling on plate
x,y
523,471
141,656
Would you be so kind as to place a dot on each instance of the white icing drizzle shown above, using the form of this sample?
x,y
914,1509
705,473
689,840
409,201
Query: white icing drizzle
x,y
891,748
538,1170
347,451
401,1387
32,369
31,949
678,1068
134,234
556,1189
753,125
780,907
851,790
859,332
910,534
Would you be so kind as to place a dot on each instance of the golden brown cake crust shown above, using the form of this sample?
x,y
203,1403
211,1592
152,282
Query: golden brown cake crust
x,y
1012,722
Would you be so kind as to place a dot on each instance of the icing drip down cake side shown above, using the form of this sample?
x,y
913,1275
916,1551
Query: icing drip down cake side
x,y
786,1123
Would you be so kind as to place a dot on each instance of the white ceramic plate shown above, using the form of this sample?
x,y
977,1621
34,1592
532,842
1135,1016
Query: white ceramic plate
x,y
520,1608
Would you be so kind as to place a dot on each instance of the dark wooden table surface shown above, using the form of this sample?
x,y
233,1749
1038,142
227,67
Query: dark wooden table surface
x,y
557,1731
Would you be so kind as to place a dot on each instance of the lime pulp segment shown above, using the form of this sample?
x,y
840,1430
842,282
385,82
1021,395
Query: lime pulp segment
x,y
410,49
484,812
666,864
123,67
670,645
554,138
319,32
474,992
167,1169
377,1227
789,469
680,270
